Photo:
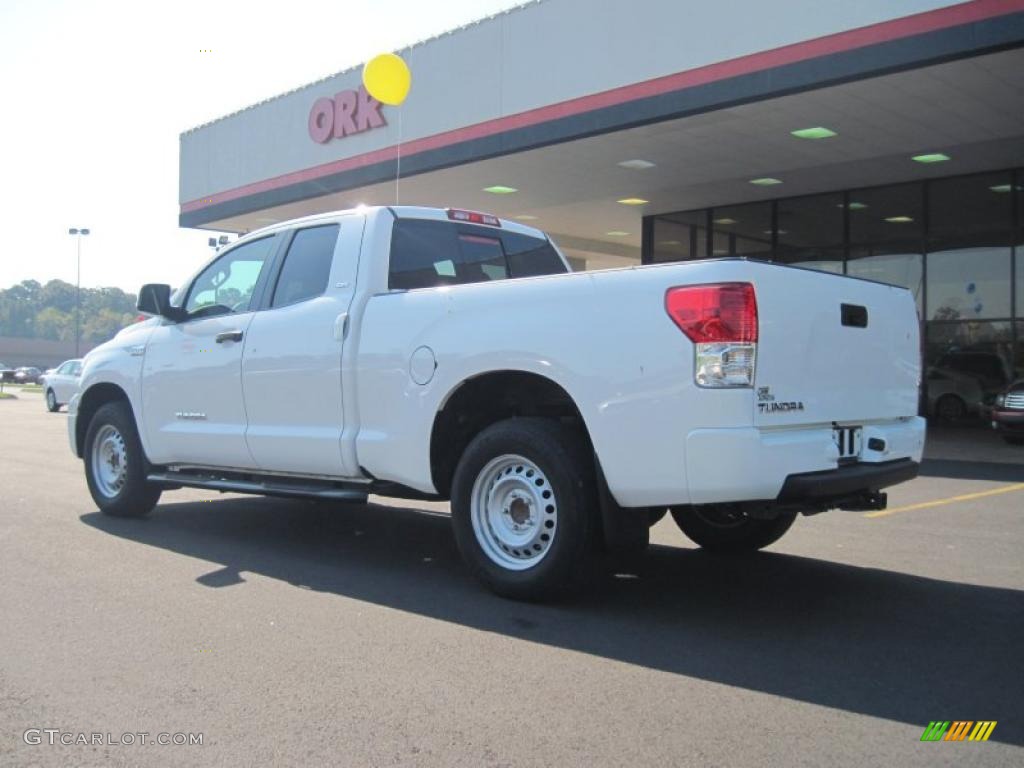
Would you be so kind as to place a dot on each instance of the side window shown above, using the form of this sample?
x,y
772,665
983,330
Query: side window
x,y
65,369
307,266
531,256
227,285
75,370
422,254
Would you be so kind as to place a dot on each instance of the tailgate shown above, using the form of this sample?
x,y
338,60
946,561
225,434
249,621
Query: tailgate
x,y
833,349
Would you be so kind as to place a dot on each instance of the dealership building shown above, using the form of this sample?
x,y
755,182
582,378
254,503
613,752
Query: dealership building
x,y
878,139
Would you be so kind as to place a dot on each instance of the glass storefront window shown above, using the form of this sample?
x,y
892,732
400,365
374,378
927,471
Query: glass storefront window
x,y
680,237
892,216
967,266
1020,277
743,230
886,236
973,360
1019,359
810,232
969,284
1019,267
970,232
903,269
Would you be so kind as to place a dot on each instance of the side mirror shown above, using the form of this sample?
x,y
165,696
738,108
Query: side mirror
x,y
155,299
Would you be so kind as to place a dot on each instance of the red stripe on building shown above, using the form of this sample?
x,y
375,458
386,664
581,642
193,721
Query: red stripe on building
x,y
907,26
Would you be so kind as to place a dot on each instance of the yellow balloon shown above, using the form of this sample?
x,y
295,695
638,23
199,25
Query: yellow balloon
x,y
387,78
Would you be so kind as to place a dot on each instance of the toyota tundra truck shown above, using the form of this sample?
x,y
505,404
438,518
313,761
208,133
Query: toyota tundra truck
x,y
451,355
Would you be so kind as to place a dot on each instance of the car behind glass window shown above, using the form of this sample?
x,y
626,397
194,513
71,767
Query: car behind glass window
x,y
432,253
307,266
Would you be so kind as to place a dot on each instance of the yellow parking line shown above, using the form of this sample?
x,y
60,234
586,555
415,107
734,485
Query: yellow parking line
x,y
950,500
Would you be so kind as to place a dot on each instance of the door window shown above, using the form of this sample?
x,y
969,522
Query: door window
x,y
227,285
307,266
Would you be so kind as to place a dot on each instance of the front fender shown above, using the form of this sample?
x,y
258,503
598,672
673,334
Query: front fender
x,y
118,363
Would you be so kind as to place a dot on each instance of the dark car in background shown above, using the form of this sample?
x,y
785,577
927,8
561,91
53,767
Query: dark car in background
x,y
1008,413
27,375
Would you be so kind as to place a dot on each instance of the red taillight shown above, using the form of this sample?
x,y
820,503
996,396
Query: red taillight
x,y
473,217
709,314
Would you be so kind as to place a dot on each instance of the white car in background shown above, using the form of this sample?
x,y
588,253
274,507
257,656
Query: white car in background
x,y
61,385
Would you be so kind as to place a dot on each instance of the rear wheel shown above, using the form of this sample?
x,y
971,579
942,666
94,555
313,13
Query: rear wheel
x,y
950,408
524,509
727,529
115,466
51,401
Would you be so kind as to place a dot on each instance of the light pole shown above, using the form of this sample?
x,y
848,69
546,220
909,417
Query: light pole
x,y
78,287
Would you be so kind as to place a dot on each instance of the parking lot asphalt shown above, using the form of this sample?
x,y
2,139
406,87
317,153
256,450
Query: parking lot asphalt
x,y
309,634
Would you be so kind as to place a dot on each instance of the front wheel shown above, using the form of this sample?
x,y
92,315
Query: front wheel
x,y
524,509
51,401
115,466
726,529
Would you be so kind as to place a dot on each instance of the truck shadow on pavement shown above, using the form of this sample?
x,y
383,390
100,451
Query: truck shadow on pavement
x,y
880,643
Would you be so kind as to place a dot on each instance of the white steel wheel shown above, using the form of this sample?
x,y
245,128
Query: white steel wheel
x,y
514,512
109,465
115,465
524,509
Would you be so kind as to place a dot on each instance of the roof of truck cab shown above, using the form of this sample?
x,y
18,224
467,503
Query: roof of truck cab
x,y
398,211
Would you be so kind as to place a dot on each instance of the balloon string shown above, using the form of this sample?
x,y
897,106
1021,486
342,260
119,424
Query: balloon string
x,y
398,164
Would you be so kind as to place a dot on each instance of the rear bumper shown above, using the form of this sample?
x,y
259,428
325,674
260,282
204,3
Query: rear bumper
x,y
851,480
750,464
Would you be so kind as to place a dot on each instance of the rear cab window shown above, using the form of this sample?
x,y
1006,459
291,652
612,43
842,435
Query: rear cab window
x,y
428,253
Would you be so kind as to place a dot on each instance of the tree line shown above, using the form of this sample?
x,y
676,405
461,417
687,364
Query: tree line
x,y
36,311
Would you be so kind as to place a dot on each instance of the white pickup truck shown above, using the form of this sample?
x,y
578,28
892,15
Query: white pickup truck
x,y
447,354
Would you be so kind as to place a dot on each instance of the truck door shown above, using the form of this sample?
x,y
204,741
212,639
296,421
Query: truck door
x,y
291,368
192,406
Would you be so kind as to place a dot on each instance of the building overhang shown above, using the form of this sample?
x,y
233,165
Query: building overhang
x,y
941,81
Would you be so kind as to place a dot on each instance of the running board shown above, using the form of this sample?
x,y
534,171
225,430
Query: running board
x,y
263,487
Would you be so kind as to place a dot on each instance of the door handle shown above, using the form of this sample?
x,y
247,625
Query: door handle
x,y
220,338
341,326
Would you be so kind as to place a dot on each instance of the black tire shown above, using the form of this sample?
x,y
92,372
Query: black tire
x,y
128,494
728,531
950,408
565,467
51,401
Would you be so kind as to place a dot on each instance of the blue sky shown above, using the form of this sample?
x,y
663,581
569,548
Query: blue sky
x,y
95,94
